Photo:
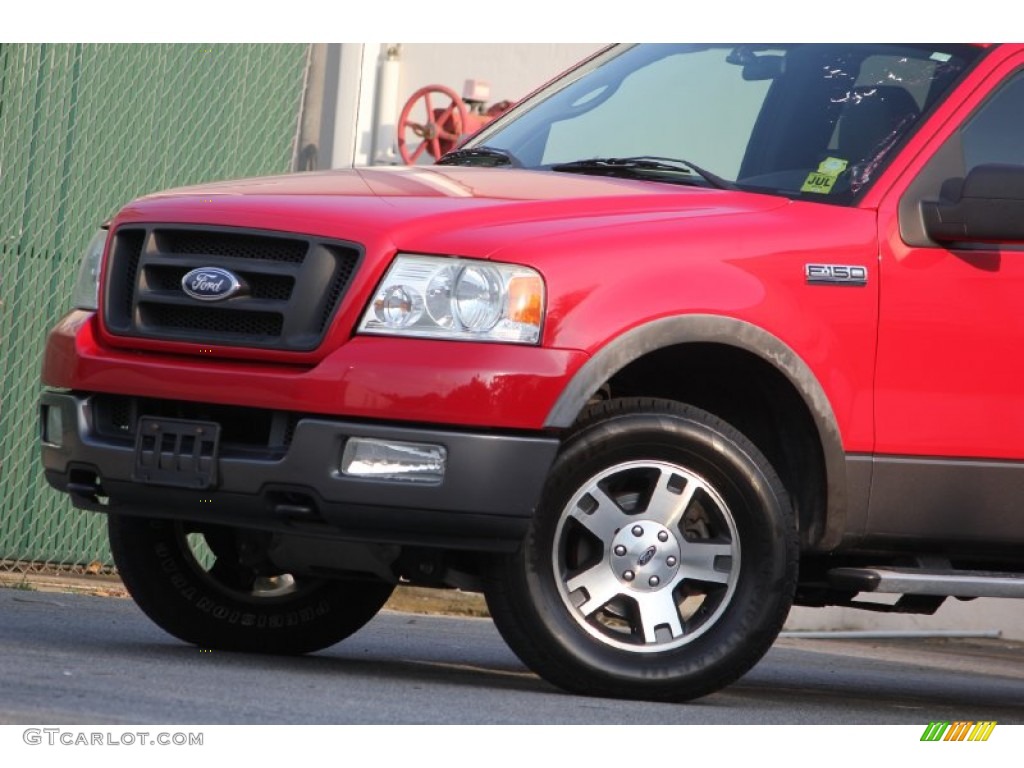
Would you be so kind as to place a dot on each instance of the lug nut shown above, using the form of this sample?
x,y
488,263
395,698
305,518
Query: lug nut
x,y
654,581
620,550
638,531
662,535
670,561
628,576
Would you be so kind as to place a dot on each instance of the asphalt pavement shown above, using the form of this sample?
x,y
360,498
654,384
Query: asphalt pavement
x,y
76,659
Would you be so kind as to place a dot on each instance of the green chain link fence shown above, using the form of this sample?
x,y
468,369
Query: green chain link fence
x,y
84,129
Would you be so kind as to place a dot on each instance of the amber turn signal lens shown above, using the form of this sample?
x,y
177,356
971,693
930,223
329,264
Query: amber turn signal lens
x,y
526,299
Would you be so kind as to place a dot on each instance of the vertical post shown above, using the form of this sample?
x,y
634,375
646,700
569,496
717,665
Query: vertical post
x,y
353,122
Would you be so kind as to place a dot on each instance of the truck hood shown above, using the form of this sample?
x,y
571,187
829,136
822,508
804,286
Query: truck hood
x,y
464,211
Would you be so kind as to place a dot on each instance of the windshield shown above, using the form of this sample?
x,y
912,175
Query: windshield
x,y
816,121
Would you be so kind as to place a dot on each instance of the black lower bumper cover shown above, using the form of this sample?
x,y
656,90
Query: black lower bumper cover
x,y
492,484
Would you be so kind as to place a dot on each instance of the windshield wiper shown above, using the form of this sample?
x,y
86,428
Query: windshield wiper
x,y
480,156
642,165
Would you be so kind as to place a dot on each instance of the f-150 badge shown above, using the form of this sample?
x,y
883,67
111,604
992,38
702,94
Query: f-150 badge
x,y
835,274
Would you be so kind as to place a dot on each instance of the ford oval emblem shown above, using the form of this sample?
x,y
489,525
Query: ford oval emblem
x,y
210,284
647,556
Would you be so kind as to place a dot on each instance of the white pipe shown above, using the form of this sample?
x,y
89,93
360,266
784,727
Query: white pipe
x,y
385,133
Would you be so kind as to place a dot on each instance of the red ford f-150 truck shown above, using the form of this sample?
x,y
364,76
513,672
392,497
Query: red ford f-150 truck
x,y
692,334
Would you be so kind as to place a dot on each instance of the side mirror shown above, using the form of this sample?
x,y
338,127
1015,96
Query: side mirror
x,y
988,208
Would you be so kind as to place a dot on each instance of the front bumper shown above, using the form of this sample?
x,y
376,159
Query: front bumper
x,y
490,488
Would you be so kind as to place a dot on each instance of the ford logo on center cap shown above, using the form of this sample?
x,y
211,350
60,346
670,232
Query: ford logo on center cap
x,y
210,284
647,556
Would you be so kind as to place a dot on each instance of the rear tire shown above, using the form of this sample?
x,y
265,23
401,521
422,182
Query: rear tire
x,y
228,606
661,562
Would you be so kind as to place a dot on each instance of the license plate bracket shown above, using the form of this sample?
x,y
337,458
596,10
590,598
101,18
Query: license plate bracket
x,y
176,452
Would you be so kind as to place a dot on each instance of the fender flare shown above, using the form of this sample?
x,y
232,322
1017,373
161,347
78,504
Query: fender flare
x,y
727,331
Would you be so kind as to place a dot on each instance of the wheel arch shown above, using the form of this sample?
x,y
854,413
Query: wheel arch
x,y
800,396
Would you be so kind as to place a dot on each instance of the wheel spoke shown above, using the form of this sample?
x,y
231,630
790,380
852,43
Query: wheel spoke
x,y
417,152
600,585
605,519
667,506
659,610
697,561
430,107
443,117
442,121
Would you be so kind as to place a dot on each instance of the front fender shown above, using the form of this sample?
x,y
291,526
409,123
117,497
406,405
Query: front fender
x,y
727,331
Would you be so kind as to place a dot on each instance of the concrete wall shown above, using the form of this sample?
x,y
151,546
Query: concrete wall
x,y
1002,615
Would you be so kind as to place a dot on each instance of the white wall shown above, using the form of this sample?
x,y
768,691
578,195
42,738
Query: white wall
x,y
513,69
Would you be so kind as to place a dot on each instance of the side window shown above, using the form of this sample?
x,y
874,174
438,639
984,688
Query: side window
x,y
991,135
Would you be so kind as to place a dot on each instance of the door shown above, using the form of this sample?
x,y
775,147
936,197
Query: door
x,y
949,460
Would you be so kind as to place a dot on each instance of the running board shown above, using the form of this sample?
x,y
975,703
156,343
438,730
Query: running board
x,y
921,581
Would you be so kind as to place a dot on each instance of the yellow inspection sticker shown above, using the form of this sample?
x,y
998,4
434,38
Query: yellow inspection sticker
x,y
822,180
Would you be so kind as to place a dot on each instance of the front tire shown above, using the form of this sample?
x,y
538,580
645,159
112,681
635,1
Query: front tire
x,y
227,605
661,562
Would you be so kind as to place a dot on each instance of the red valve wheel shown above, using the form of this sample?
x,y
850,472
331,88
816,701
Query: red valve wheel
x,y
434,119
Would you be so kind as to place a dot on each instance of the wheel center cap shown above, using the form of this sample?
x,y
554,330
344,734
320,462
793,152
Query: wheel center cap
x,y
645,556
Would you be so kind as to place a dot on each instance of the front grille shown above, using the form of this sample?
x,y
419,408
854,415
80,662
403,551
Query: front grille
x,y
291,286
232,245
274,287
334,293
221,322
130,246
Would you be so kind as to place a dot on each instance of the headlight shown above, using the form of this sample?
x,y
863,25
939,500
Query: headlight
x,y
446,298
86,291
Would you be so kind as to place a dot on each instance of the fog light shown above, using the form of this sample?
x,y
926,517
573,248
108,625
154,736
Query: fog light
x,y
53,426
394,461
